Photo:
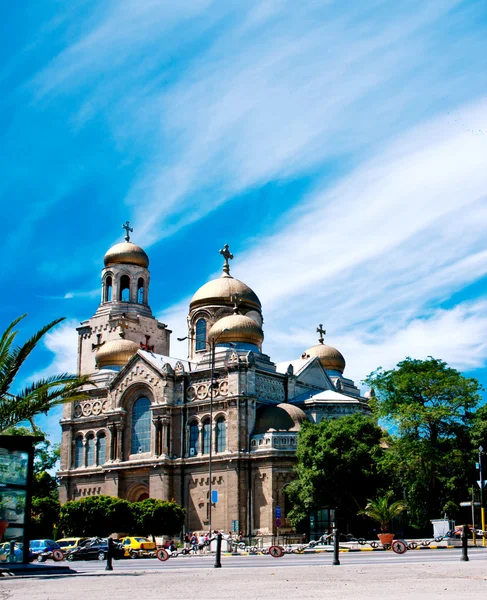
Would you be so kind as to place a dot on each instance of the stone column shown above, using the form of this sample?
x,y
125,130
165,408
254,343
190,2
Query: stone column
x,y
112,442
156,436
200,439
85,450
120,430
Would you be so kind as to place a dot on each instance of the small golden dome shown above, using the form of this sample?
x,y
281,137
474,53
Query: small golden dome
x,y
115,353
237,328
330,358
222,290
279,417
126,253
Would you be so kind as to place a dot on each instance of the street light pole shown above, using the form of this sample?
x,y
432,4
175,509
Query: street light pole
x,y
212,375
212,345
481,485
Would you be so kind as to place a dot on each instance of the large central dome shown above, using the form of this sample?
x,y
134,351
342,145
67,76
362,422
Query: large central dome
x,y
223,290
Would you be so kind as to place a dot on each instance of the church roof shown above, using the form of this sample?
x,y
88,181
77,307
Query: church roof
x,y
298,365
158,360
331,396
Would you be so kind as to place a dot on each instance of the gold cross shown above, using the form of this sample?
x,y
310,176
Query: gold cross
x,y
225,252
322,332
128,229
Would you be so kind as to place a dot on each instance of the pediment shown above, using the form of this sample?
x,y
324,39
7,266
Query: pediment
x,y
137,368
313,375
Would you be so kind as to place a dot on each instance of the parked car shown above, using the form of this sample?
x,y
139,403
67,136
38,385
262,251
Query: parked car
x,y
138,547
41,550
5,552
95,549
71,543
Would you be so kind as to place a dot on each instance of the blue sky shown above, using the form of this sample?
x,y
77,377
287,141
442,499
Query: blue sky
x,y
339,148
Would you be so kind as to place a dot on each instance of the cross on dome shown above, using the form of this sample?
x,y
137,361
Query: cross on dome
x,y
322,333
227,255
128,229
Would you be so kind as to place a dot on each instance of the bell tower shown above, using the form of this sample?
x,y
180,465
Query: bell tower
x,y
124,297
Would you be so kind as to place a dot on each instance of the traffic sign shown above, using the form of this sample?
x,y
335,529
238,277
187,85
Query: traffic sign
x,y
276,551
481,483
278,512
278,522
469,503
399,547
214,496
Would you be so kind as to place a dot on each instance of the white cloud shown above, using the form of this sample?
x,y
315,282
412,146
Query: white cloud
x,y
62,341
389,242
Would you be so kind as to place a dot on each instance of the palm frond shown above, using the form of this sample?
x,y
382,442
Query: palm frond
x,y
40,397
12,359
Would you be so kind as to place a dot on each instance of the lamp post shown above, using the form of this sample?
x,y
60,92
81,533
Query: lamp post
x,y
481,485
211,345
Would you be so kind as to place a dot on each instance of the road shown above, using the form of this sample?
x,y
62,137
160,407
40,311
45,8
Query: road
x,y
419,575
286,561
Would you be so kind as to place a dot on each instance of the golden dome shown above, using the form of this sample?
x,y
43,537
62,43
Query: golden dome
x,y
115,353
222,290
330,358
126,253
279,417
237,328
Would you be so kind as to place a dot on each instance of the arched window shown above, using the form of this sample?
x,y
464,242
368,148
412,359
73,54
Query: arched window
x,y
78,452
140,291
141,422
206,436
90,450
221,435
108,289
102,449
124,295
200,334
193,438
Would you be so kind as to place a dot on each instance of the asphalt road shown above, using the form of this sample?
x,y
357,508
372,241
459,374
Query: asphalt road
x,y
288,560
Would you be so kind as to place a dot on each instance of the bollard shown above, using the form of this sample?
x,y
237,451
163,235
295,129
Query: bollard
x,y
11,552
464,543
336,548
218,556
109,566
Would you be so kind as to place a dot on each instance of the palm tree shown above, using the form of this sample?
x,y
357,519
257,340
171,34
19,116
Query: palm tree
x,y
383,510
41,395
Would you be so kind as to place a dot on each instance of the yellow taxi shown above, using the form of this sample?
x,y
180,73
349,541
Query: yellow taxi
x,y
71,543
138,547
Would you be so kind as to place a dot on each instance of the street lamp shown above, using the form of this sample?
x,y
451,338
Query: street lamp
x,y
212,345
481,485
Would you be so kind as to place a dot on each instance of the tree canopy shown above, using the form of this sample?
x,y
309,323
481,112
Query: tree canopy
x,y
430,408
338,466
104,515
39,396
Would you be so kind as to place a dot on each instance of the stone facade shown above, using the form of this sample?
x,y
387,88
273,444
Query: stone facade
x,y
150,425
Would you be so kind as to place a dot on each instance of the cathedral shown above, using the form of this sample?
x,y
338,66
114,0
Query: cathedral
x,y
216,432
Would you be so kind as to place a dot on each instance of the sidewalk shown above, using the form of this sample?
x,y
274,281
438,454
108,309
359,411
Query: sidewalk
x,y
428,581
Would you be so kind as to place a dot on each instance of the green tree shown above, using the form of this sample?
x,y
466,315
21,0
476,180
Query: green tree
x,y
429,406
44,517
339,465
157,517
96,516
41,395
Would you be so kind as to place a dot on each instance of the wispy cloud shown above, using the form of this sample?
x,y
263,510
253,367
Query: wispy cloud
x,y
276,93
